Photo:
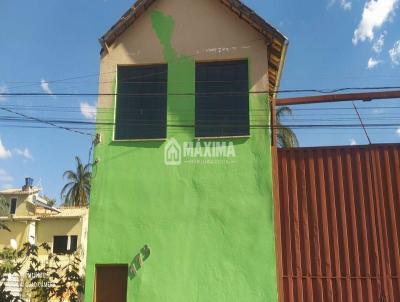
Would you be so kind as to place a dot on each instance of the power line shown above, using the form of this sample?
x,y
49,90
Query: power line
x,y
64,109
175,61
362,123
55,123
252,118
222,93
60,80
64,81
44,122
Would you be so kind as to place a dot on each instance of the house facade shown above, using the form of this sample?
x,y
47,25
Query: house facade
x,y
181,203
31,219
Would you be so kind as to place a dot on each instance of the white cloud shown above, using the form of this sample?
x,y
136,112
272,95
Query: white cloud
x,y
372,63
24,153
88,110
3,89
378,111
375,14
45,86
4,152
378,44
353,142
395,53
398,131
5,178
345,4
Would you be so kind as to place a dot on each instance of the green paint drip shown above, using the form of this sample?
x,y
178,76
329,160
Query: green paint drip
x,y
181,74
164,27
210,227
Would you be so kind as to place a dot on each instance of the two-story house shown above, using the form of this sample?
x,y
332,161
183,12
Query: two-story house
x,y
31,219
182,203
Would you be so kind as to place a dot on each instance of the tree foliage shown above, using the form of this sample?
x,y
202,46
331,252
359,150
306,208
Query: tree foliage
x,y
48,278
286,138
77,191
8,266
4,210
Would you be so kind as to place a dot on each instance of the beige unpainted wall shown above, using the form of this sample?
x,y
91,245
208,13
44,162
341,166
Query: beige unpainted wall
x,y
46,229
24,205
19,232
205,30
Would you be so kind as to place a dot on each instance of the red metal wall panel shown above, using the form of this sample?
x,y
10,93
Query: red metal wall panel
x,y
339,210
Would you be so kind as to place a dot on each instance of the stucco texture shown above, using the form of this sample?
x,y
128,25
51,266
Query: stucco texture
x,y
48,228
209,227
19,232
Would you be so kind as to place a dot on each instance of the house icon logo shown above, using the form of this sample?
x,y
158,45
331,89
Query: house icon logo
x,y
172,153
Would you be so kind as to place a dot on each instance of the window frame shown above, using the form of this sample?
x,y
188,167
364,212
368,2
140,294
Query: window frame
x,y
54,243
68,244
115,99
210,138
11,205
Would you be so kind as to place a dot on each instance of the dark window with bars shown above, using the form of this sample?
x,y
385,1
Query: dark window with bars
x,y
60,244
141,109
222,99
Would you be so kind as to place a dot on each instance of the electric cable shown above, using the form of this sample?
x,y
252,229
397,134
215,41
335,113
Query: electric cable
x,y
223,93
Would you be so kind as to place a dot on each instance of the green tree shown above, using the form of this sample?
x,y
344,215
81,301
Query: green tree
x,y
77,191
286,138
4,210
51,279
47,279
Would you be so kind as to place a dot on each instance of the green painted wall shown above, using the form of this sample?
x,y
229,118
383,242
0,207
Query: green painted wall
x,y
209,226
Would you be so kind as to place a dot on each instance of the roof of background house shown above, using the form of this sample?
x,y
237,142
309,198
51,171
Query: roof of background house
x,y
37,200
42,213
64,212
42,203
20,191
277,41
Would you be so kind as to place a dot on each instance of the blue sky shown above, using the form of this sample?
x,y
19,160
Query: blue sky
x,y
333,44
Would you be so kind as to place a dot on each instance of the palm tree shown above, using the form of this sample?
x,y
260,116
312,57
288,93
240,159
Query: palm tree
x,y
286,138
77,191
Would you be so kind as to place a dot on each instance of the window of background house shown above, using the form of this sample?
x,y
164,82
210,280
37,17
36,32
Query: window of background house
x,y
222,101
65,244
60,244
141,109
74,244
13,206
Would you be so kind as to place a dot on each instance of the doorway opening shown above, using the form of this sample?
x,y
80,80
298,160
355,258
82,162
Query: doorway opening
x,y
111,283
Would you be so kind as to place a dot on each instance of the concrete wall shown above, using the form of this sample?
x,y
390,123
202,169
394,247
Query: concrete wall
x,y
19,232
23,208
209,227
48,228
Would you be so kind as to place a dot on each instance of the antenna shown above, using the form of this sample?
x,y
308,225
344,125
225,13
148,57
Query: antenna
x,y
40,185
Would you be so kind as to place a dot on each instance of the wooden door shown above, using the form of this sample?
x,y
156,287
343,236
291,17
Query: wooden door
x,y
111,283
